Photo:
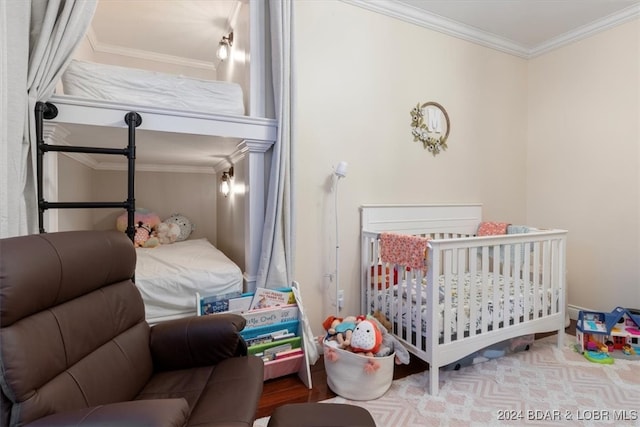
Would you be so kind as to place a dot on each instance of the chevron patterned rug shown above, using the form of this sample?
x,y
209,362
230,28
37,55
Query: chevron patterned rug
x,y
541,387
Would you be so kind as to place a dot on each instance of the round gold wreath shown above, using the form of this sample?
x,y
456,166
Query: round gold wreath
x,y
419,130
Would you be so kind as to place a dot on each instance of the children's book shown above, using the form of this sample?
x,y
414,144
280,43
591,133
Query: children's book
x,y
271,316
288,353
265,298
240,304
270,349
214,303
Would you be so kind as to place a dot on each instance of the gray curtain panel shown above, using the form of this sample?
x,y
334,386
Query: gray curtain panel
x,y
39,37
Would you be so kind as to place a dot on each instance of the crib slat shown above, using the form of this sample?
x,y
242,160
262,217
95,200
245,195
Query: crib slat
x,y
526,277
485,289
461,315
546,272
495,291
448,265
508,284
473,290
517,283
420,301
536,280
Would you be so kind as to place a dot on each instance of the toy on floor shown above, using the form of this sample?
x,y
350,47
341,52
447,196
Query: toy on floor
x,y
601,337
628,350
598,357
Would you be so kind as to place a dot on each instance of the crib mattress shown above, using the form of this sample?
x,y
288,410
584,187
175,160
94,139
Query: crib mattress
x,y
169,276
515,304
149,88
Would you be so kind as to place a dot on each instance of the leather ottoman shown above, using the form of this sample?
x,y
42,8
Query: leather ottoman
x,y
320,415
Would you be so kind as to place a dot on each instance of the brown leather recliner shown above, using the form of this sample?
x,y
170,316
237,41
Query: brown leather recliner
x,y
75,348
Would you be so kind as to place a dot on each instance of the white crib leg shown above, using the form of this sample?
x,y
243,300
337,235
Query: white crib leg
x,y
561,338
433,380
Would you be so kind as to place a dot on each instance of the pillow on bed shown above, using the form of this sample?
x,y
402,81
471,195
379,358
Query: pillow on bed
x,y
185,224
147,217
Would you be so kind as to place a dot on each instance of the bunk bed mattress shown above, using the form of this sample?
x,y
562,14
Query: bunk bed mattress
x,y
169,276
387,301
140,87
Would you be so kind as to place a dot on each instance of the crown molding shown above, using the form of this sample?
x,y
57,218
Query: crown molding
x,y
453,28
588,30
441,24
111,49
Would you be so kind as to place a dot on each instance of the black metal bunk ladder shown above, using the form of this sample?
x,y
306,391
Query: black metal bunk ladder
x,y
46,110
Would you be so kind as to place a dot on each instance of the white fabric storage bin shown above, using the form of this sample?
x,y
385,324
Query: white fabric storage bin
x,y
351,375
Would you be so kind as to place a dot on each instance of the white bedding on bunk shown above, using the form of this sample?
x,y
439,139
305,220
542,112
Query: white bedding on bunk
x,y
515,305
140,87
168,277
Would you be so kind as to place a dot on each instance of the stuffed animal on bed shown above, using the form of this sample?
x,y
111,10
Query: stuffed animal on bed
x,y
143,237
167,232
151,219
185,224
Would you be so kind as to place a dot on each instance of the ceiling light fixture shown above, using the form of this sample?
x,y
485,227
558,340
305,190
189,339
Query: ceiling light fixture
x,y
225,184
224,47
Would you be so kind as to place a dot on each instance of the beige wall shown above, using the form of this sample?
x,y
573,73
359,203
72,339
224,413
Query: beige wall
x,y
74,185
231,216
190,194
583,162
354,95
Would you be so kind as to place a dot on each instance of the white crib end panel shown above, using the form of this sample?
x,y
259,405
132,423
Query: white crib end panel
x,y
415,219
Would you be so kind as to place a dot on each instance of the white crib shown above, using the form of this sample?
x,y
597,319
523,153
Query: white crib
x,y
510,285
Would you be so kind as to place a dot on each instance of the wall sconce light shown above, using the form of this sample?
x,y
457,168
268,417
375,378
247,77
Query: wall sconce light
x,y
225,184
224,47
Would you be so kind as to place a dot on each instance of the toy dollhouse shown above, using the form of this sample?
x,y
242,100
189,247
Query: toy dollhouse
x,y
600,334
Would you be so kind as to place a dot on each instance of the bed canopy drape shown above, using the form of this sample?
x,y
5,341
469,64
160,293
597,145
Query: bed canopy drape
x,y
39,37
276,260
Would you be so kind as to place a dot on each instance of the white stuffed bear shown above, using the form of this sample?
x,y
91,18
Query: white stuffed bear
x,y
185,224
167,232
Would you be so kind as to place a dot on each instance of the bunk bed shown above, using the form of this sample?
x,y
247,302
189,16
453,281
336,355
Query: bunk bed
x,y
137,113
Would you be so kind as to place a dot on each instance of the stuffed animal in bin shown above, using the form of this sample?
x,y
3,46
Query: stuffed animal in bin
x,y
390,344
340,329
366,338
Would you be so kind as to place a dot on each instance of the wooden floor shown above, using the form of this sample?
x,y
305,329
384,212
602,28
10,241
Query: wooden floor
x,y
290,389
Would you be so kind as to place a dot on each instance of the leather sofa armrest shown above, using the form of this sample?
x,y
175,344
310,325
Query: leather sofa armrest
x,y
197,341
151,413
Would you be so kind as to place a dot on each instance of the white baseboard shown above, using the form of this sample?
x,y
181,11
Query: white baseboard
x,y
573,311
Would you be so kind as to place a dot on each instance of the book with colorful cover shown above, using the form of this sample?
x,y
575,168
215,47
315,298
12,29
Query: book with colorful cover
x,y
271,316
214,303
241,303
274,347
265,298
288,353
